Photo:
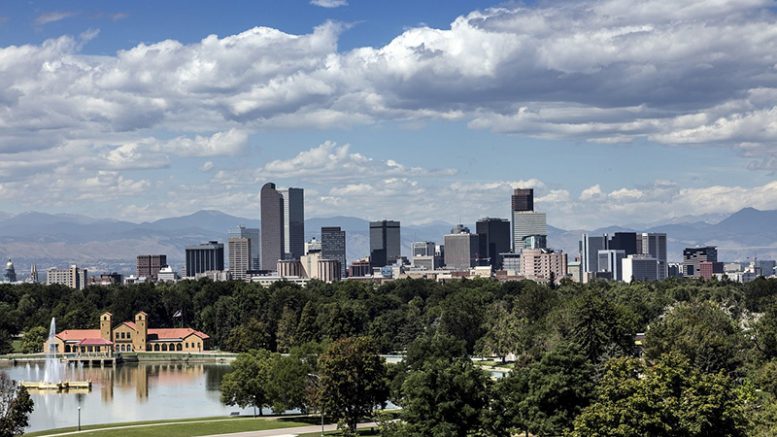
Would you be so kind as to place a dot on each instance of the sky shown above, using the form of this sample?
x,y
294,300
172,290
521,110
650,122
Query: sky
x,y
628,112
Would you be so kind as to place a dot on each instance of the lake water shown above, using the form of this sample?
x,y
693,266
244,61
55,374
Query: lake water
x,y
130,392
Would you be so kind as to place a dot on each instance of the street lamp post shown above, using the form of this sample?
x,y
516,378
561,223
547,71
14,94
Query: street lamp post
x,y
320,400
79,418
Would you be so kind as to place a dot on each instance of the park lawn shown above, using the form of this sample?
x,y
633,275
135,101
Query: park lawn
x,y
180,428
16,346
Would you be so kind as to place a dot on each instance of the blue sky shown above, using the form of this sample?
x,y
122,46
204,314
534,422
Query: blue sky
x,y
617,112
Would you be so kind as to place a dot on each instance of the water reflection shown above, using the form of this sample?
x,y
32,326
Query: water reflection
x,y
129,392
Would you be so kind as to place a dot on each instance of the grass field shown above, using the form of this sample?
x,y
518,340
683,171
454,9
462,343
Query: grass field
x,y
182,427
17,346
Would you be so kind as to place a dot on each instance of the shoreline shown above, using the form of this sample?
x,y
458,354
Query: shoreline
x,y
135,357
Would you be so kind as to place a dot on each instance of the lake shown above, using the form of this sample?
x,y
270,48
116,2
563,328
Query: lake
x,y
129,392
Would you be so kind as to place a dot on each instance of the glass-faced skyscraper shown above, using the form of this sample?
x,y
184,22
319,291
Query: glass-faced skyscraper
x,y
272,226
293,222
333,246
493,239
526,222
385,245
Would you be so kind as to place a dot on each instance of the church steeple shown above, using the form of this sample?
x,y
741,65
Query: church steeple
x,y
34,274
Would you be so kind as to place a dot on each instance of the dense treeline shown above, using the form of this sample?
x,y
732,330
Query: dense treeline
x,y
708,364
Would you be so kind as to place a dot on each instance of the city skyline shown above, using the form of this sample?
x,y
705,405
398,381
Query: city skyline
x,y
619,136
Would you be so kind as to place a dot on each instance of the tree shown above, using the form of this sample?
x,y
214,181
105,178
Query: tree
x,y
600,327
502,334
15,407
33,340
248,336
699,331
247,382
669,398
288,383
352,380
766,333
545,397
307,330
287,325
444,398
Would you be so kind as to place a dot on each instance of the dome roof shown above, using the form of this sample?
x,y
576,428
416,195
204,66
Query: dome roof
x,y
9,264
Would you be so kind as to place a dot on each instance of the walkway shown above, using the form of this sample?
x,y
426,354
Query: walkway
x,y
289,432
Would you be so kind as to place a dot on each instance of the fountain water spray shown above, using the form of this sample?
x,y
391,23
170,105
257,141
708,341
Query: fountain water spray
x,y
52,372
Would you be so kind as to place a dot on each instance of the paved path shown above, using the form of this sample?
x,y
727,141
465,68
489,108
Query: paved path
x,y
290,432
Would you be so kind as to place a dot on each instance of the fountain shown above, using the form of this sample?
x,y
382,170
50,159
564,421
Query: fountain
x,y
52,373
53,370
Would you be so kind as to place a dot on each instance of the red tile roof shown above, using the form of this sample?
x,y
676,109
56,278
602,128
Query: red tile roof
x,y
78,334
175,333
95,342
130,324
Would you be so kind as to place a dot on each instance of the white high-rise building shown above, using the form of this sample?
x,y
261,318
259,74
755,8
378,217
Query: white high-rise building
x,y
526,224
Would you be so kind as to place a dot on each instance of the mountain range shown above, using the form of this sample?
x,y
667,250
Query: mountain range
x,y
111,245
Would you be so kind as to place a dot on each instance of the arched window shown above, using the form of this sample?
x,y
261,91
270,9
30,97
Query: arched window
x,y
179,347
156,347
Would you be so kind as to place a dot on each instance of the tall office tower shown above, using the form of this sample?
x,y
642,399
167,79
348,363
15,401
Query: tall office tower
x,y
148,266
589,254
273,241
72,277
653,245
203,258
293,222
542,264
640,268
385,246
493,238
526,224
625,241
424,248
239,257
461,249
523,199
610,262
693,256
254,242
333,246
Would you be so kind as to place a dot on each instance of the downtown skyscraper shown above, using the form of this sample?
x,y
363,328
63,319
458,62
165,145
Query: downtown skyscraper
x,y
385,243
333,246
293,222
526,222
273,236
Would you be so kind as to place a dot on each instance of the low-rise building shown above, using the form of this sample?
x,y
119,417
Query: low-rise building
x,y
127,337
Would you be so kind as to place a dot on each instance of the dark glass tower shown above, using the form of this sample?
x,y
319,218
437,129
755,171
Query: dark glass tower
x,y
493,238
204,258
385,246
333,246
523,199
293,222
272,226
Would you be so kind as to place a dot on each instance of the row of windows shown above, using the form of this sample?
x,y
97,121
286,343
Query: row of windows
x,y
123,336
